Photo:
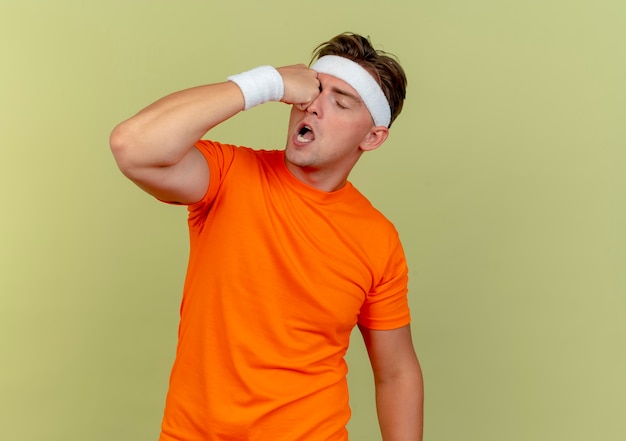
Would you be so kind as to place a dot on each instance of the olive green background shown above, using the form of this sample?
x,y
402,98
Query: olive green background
x,y
504,176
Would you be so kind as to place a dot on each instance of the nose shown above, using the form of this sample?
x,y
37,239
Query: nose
x,y
315,107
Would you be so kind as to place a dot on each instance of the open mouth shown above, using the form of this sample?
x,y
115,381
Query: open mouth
x,y
305,134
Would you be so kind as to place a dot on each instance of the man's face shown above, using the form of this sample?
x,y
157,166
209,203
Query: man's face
x,y
327,135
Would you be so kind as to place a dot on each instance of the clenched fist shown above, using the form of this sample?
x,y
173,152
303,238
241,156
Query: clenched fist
x,y
301,85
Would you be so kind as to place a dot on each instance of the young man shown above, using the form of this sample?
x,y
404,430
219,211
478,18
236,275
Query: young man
x,y
286,256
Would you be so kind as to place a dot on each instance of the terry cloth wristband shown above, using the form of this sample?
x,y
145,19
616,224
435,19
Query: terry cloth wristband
x,y
362,81
259,85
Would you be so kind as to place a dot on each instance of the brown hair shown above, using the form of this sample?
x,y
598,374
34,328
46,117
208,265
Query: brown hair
x,y
383,66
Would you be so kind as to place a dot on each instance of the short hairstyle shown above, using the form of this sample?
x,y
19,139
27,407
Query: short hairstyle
x,y
383,66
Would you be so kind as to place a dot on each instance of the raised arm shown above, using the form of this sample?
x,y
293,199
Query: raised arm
x,y
399,383
155,148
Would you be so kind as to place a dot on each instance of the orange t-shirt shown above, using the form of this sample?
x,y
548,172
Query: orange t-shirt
x,y
279,274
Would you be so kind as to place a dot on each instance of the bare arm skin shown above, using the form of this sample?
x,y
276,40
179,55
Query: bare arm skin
x,y
399,383
155,148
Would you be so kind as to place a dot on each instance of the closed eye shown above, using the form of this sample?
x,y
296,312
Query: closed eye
x,y
344,99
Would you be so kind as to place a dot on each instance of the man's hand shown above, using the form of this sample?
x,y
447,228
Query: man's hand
x,y
301,85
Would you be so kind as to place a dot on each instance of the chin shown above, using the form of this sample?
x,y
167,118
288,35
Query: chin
x,y
299,159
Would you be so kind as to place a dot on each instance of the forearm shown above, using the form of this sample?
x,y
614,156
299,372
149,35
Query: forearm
x,y
162,133
400,406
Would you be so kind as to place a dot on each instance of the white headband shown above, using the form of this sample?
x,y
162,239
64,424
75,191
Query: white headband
x,y
362,81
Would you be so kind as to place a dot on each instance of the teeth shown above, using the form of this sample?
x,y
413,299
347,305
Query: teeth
x,y
302,134
303,139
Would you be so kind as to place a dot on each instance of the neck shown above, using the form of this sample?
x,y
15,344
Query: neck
x,y
319,178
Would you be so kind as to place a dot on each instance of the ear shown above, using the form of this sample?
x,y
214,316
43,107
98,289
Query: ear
x,y
374,138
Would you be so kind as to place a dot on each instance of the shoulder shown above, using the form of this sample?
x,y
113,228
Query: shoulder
x,y
231,151
370,217
224,157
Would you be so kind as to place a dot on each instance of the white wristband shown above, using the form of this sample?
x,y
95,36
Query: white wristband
x,y
259,85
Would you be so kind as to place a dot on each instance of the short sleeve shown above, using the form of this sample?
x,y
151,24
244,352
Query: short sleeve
x,y
386,306
219,158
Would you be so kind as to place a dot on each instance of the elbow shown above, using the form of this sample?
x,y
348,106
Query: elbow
x,y
123,148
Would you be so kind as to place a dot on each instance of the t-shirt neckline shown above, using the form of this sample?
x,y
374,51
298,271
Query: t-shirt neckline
x,y
307,190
